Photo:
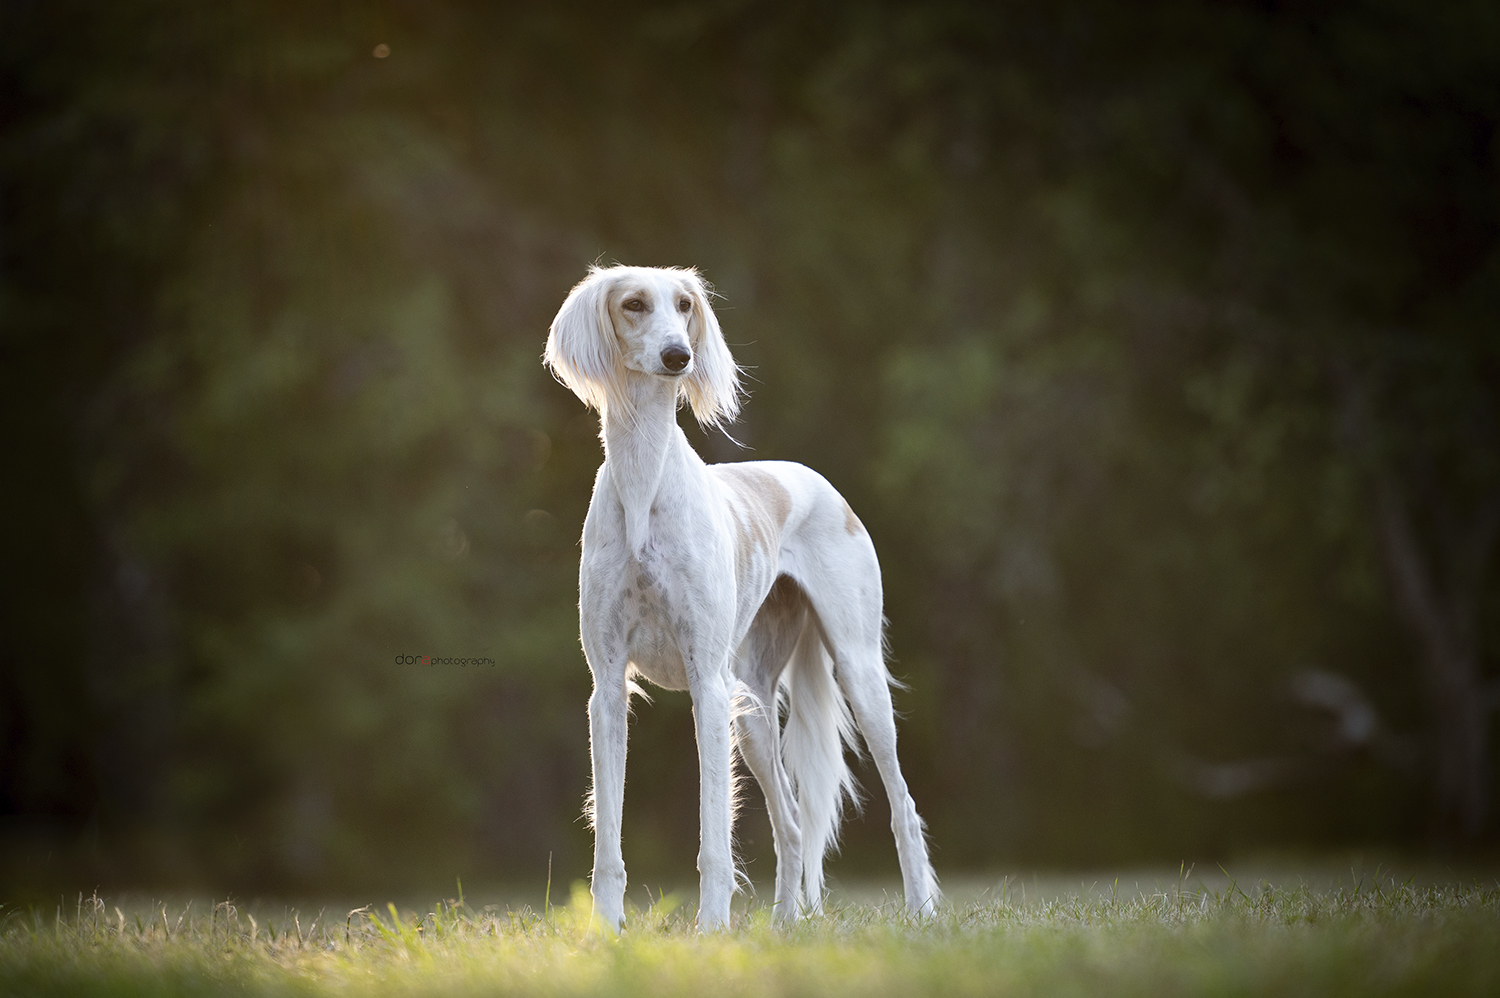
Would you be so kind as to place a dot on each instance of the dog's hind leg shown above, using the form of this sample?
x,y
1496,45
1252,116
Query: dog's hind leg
x,y
760,746
766,650
862,676
844,589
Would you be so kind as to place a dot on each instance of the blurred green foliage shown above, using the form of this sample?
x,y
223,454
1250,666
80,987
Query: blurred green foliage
x,y
1137,334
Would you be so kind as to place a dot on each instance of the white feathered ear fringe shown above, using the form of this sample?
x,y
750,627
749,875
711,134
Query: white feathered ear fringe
x,y
582,351
713,387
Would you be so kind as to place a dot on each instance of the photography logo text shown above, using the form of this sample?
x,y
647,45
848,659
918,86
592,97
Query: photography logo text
x,y
463,661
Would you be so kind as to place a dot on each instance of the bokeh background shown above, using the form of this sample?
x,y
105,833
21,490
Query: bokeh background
x,y
1155,343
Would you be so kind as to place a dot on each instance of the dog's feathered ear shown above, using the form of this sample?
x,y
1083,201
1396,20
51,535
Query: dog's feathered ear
x,y
713,387
582,351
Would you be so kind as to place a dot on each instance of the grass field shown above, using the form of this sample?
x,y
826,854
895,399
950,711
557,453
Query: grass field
x,y
1294,935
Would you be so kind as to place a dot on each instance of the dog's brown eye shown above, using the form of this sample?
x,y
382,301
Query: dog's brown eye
x,y
633,305
686,305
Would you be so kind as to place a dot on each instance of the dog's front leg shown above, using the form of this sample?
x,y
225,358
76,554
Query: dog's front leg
x,y
608,720
711,719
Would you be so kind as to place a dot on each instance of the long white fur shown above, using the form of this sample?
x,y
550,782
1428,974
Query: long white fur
x,y
818,726
736,582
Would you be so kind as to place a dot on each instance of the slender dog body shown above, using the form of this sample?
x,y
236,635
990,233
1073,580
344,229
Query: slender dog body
x,y
732,581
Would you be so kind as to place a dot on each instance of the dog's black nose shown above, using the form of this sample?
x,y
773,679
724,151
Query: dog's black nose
x,y
675,358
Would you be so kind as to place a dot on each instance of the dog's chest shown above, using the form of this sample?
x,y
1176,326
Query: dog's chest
x,y
656,623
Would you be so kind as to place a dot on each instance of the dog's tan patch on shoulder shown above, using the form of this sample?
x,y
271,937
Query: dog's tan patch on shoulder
x,y
777,499
851,522
762,488
764,503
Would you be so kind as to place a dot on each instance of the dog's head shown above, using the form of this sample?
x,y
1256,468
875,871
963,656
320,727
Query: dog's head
x,y
649,320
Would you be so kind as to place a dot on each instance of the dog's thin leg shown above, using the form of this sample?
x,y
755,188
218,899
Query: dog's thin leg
x,y
608,720
715,850
863,680
759,744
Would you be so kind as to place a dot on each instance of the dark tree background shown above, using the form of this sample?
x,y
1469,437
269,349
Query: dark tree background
x,y
1156,344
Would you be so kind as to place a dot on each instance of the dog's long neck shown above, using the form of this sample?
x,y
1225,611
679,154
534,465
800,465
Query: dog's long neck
x,y
636,449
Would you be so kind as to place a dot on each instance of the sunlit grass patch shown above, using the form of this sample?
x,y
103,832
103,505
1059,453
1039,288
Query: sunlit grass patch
x,y
1373,937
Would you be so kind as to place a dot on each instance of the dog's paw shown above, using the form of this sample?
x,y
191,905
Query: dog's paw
x,y
607,925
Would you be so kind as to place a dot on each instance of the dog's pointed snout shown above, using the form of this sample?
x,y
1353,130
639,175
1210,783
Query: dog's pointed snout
x,y
674,358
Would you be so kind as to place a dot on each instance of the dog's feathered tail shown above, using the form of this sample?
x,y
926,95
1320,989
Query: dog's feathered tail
x,y
818,727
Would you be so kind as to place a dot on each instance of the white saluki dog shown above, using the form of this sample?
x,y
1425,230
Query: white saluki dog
x,y
729,581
